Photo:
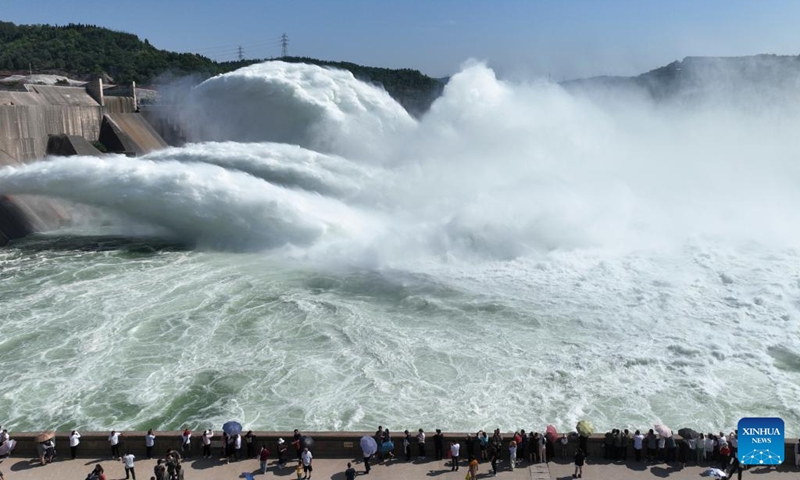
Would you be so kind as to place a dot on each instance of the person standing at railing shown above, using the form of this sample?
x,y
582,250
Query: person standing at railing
x,y
74,441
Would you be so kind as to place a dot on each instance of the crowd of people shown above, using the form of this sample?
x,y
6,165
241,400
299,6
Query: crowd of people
x,y
717,450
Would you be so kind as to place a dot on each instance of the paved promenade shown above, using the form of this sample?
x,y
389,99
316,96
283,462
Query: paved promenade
x,y
16,468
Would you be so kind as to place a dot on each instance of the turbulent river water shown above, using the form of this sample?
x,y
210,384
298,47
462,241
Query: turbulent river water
x,y
318,259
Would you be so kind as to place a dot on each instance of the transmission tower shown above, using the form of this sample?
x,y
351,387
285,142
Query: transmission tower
x,y
284,45
241,53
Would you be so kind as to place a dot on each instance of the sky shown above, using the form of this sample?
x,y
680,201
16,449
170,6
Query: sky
x,y
560,39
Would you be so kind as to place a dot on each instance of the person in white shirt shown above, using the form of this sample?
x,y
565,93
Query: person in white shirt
x,y
113,439
128,461
638,440
306,457
512,454
421,444
74,441
709,444
455,448
207,435
149,442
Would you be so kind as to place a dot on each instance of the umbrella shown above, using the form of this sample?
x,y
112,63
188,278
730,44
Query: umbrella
x,y
45,436
306,442
368,445
688,433
585,428
387,447
551,434
663,430
7,447
714,472
232,428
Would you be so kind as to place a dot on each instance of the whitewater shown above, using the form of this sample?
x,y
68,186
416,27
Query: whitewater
x,y
316,258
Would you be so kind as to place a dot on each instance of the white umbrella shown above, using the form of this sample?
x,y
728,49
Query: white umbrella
x,y
663,430
714,472
368,445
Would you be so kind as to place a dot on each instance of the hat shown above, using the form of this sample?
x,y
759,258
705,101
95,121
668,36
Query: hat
x,y
280,440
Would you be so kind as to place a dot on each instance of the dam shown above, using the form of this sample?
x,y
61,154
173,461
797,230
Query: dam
x,y
39,120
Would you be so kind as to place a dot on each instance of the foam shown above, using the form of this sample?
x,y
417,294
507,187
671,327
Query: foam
x,y
520,256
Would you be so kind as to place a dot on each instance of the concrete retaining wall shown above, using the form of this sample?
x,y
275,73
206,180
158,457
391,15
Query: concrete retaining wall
x,y
326,444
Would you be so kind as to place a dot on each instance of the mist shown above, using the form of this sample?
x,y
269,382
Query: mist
x,y
496,169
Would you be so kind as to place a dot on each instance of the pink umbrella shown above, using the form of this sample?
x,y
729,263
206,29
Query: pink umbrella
x,y
551,434
663,430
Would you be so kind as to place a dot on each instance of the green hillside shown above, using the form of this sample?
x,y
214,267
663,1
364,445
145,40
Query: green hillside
x,y
82,51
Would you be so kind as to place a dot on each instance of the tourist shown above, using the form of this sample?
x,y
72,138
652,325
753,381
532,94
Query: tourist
x,y
387,445
149,442
297,447
564,441
638,441
178,472
74,441
724,455
701,449
366,455
652,444
127,460
113,439
512,454
98,473
733,442
534,450
349,474
797,453
160,470
692,453
473,469
282,453
683,453
237,446
483,444
186,443
709,443
608,444
407,446
661,448
421,444
207,436
173,459
543,448
455,449
625,440
249,440
438,444
230,448
263,456
579,460
379,442
469,442
306,458
40,449
672,448
49,450
299,471
494,457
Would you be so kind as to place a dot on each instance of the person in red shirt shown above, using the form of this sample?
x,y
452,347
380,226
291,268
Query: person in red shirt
x,y
263,455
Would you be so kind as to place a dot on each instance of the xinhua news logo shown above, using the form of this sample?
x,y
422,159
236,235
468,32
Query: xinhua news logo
x,y
761,441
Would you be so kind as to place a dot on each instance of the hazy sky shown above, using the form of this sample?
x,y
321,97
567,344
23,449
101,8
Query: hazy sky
x,y
562,38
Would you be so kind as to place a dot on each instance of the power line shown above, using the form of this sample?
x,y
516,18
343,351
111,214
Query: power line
x,y
284,45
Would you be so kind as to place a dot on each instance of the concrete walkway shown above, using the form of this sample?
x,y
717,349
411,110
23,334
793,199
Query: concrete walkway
x,y
16,468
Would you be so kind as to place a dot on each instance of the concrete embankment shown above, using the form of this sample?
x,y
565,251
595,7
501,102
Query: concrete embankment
x,y
325,444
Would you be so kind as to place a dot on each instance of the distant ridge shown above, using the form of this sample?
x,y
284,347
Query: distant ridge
x,y
84,51
703,77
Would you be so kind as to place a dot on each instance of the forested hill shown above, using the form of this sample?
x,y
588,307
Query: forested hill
x,y
83,51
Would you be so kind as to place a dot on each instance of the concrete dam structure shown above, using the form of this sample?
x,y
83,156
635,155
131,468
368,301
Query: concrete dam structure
x,y
41,120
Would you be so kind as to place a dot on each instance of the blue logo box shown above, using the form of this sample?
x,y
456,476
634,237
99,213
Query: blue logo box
x,y
761,441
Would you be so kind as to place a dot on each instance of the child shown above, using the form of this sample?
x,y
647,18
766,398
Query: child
x,y
299,471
